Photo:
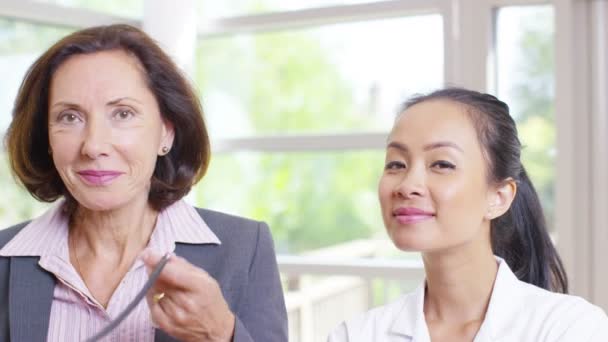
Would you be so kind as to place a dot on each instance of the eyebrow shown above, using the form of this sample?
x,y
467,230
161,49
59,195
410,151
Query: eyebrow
x,y
431,146
114,102
111,103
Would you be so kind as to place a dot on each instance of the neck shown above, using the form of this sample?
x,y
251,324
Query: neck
x,y
115,234
459,283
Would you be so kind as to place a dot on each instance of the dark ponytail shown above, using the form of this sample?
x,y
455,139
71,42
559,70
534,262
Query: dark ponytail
x,y
519,236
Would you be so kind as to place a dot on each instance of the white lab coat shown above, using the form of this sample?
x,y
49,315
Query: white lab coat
x,y
518,312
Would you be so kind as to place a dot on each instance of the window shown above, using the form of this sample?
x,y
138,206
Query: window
x,y
340,79
299,99
526,81
335,78
311,200
229,8
20,44
123,8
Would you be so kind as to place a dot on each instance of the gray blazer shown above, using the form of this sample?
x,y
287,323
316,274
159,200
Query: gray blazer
x,y
244,265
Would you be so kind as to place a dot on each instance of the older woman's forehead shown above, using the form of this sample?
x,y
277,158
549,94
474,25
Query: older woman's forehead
x,y
103,75
97,63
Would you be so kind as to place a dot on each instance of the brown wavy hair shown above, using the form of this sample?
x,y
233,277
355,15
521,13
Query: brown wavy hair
x,y
27,139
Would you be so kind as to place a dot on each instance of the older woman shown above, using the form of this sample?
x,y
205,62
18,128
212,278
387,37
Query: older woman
x,y
105,122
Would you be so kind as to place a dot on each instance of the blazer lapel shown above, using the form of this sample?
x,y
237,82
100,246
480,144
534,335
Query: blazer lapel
x,y
196,255
30,297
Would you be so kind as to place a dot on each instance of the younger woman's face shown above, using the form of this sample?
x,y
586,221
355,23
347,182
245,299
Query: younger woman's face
x,y
434,192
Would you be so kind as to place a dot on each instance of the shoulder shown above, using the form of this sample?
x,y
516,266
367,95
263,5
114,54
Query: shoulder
x,y
385,313
242,240
558,304
226,221
377,323
231,228
564,315
9,233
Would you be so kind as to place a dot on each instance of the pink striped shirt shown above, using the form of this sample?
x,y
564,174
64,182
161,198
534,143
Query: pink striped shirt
x,y
75,314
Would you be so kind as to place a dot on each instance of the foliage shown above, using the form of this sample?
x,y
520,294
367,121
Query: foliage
x,y
284,82
309,199
20,43
532,100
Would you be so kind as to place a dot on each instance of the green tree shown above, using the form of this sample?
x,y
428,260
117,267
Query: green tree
x,y
309,199
533,95
20,42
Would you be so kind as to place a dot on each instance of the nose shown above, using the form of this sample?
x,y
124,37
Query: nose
x,y
412,184
97,139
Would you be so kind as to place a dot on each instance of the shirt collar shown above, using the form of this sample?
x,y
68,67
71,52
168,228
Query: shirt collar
x,y
47,234
180,223
504,303
410,320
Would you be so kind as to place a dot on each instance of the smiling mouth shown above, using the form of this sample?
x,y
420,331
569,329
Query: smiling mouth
x,y
99,178
411,215
410,219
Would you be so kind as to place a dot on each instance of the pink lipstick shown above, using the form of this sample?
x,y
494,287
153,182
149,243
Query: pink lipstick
x,y
410,215
99,177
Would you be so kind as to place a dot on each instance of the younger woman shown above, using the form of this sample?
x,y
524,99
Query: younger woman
x,y
454,189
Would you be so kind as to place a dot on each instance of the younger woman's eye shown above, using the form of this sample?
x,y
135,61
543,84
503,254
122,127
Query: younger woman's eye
x,y
394,165
442,164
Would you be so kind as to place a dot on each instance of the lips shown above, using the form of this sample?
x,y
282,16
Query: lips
x,y
99,177
409,215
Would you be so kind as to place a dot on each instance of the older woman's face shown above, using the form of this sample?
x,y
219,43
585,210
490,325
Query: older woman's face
x,y
105,129
434,192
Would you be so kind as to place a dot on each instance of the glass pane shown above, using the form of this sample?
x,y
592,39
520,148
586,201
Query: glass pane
x,y
310,200
123,8
20,44
16,204
229,8
525,80
343,77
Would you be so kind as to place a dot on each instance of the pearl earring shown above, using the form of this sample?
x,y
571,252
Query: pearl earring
x,y
165,149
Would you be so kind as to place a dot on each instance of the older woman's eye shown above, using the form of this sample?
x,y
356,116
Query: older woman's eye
x,y
123,114
442,164
394,165
68,118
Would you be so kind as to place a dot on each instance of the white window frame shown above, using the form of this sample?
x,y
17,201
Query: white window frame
x,y
469,29
581,110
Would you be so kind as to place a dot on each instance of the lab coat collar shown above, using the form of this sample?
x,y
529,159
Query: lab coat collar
x,y
505,302
410,320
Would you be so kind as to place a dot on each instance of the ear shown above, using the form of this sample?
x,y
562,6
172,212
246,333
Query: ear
x,y
500,198
166,137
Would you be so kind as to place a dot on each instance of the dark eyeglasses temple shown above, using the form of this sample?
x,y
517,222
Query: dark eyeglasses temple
x,y
116,322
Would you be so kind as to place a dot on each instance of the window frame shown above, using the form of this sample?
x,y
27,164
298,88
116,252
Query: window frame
x,y
468,38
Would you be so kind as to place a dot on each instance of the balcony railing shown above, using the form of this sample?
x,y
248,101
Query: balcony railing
x,y
328,286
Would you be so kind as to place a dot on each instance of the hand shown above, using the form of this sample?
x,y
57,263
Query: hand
x,y
192,307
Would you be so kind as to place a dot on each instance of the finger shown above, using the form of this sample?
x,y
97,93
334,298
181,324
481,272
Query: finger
x,y
180,274
151,258
169,316
159,317
171,276
188,302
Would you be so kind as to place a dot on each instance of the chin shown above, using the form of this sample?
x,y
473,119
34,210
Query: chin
x,y
107,202
411,240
